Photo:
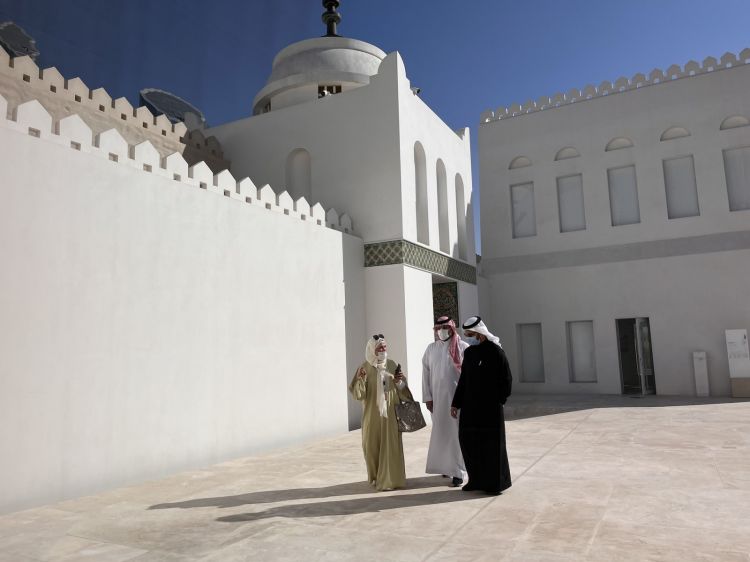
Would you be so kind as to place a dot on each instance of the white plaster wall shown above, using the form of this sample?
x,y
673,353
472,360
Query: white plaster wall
x,y
352,138
468,303
699,104
150,326
418,123
689,300
399,305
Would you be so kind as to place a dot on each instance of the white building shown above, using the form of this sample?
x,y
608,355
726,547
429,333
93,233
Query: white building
x,y
616,211
162,313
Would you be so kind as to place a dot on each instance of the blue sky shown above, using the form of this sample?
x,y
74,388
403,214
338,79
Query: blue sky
x,y
466,56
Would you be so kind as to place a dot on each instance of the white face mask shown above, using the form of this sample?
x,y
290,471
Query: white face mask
x,y
444,334
471,340
382,356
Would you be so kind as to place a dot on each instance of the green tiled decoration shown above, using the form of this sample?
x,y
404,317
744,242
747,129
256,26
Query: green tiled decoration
x,y
408,253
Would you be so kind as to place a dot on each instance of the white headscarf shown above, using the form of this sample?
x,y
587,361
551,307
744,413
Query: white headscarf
x,y
475,324
372,358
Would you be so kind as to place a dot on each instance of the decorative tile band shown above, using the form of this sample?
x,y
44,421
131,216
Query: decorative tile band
x,y
408,253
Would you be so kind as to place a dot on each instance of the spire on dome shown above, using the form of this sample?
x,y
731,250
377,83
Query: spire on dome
x,y
331,17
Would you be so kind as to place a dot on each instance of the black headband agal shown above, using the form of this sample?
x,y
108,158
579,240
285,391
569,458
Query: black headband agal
x,y
446,320
471,322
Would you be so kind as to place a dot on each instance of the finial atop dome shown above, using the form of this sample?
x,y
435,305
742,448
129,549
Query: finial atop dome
x,y
331,17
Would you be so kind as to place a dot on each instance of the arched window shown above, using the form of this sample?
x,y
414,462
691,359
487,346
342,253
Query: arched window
x,y
420,184
442,190
298,174
461,217
567,152
519,162
618,143
734,121
674,133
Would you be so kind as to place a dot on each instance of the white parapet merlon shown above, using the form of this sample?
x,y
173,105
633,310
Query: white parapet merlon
x,y
201,175
286,203
31,117
302,208
318,213
176,167
332,218
267,197
224,183
3,108
247,191
74,132
113,145
146,157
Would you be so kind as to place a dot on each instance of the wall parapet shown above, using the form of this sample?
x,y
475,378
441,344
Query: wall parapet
x,y
97,106
622,84
31,118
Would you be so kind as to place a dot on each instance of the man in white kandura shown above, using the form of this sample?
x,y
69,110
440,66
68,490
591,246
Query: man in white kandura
x,y
441,367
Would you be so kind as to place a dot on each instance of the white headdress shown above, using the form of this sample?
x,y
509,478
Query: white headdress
x,y
475,324
371,357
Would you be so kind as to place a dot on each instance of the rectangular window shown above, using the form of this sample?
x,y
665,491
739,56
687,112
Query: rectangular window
x,y
570,203
530,352
522,209
623,196
737,169
679,183
581,360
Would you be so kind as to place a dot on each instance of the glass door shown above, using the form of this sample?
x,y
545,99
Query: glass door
x,y
645,356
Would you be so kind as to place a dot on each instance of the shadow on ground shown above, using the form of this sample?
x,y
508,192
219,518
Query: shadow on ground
x,y
273,496
370,504
522,406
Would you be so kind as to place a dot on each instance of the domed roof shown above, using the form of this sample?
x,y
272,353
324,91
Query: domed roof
x,y
323,60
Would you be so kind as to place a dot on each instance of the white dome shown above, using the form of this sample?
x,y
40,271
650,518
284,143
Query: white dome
x,y
300,68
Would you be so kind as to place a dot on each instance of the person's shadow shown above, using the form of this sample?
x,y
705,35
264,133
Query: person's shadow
x,y
272,496
370,504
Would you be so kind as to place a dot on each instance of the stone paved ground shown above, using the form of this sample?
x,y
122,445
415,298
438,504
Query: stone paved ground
x,y
611,479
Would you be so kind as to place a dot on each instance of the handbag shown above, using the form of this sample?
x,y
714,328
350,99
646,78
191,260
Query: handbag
x,y
409,416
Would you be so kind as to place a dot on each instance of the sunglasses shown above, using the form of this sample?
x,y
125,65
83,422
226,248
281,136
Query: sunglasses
x,y
377,337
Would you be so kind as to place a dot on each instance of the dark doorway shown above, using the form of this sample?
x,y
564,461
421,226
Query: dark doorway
x,y
636,357
445,300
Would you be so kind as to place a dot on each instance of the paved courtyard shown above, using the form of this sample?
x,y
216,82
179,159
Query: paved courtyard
x,y
610,479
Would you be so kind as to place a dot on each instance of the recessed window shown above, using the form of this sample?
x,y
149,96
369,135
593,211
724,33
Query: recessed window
x,y
53,88
113,157
623,196
737,169
176,177
75,145
329,89
26,78
147,167
530,352
145,125
570,203
680,187
101,107
163,132
35,132
522,210
123,117
77,98
581,357
203,185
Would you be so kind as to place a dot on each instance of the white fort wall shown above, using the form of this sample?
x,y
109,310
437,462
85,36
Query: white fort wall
x,y
687,275
150,325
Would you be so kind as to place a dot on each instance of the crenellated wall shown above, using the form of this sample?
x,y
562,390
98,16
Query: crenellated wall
x,y
156,316
72,131
622,84
22,80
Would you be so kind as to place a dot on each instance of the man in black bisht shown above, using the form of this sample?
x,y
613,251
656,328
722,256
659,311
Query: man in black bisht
x,y
483,388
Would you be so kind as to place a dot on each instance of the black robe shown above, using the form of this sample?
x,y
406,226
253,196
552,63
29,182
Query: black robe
x,y
483,388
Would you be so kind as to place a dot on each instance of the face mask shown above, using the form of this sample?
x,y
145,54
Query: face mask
x,y
444,335
382,355
471,341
